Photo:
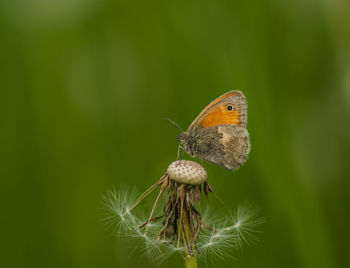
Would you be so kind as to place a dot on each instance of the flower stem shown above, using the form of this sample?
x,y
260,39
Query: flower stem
x,y
190,262
187,234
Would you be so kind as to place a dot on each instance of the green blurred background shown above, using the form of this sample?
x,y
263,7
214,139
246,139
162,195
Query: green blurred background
x,y
86,85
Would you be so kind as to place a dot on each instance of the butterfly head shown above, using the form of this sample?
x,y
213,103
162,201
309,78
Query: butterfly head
x,y
186,142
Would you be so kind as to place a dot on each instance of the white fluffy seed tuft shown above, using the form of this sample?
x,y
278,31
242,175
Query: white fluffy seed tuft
x,y
187,172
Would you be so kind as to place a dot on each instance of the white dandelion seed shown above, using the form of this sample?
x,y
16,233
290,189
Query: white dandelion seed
x,y
116,214
230,233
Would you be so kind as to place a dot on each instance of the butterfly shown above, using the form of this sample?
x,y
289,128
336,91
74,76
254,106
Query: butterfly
x,y
218,135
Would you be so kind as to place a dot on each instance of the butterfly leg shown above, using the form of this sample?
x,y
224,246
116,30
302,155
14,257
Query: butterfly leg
x,y
178,153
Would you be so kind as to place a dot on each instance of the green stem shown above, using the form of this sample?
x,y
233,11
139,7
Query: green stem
x,y
190,262
187,238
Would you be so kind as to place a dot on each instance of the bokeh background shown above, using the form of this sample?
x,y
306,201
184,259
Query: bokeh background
x,y
86,85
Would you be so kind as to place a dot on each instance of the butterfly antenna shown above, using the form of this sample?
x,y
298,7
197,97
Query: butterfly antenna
x,y
175,124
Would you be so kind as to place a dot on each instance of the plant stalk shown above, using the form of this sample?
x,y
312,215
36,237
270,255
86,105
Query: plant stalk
x,y
187,234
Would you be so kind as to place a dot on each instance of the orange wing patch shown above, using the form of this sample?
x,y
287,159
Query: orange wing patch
x,y
226,95
220,116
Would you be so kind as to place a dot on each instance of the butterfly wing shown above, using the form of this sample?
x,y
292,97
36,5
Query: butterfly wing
x,y
228,109
226,145
218,133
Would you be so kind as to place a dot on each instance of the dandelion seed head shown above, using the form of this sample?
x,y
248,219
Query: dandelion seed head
x,y
187,172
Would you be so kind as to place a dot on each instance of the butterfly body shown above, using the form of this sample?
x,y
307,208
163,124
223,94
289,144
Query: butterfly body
x,y
218,134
